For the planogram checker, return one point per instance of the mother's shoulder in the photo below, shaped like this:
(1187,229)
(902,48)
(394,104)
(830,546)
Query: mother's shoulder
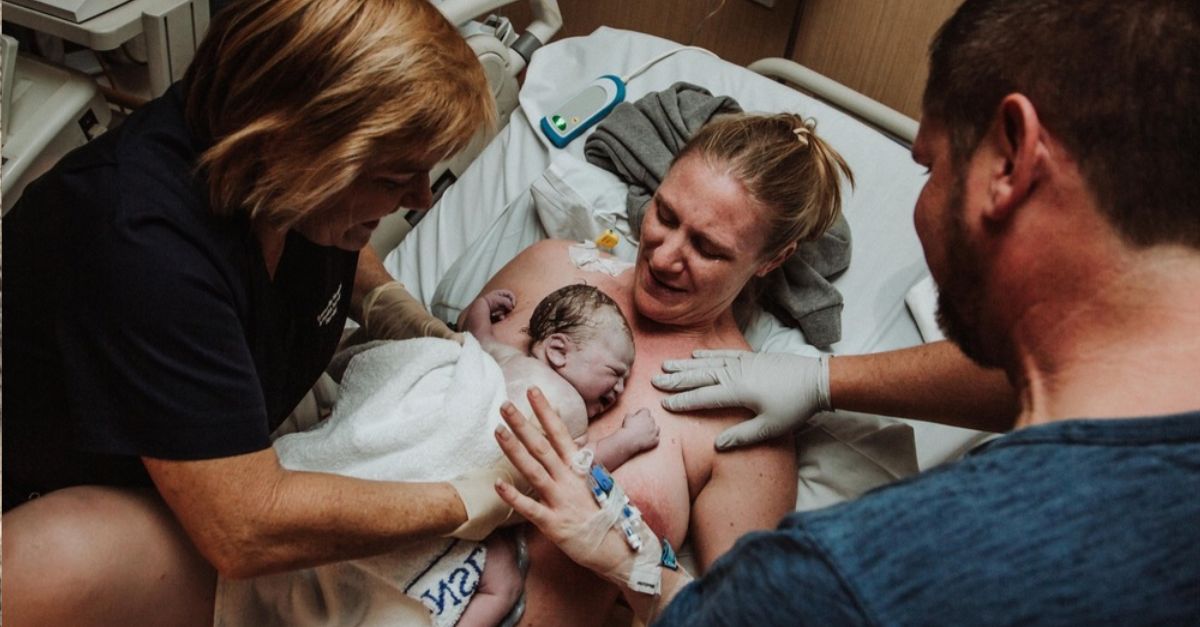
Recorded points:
(551,258)
(546,249)
(541,261)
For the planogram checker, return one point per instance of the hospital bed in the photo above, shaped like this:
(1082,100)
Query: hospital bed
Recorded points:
(521,189)
(516,188)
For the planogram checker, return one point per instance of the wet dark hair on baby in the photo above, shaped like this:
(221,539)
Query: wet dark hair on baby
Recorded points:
(579,311)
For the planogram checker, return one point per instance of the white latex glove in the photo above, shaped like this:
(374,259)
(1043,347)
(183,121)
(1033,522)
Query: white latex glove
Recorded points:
(485,509)
(783,390)
(389,312)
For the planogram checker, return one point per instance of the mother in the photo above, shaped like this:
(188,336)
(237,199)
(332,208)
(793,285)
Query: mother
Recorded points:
(735,203)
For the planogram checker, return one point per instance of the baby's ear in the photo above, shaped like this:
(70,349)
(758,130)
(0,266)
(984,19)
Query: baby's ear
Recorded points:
(557,346)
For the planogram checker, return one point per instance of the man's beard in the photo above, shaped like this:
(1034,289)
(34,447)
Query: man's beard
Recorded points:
(961,294)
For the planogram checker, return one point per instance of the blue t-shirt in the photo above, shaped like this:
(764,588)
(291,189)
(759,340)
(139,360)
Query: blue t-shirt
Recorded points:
(1084,522)
(138,323)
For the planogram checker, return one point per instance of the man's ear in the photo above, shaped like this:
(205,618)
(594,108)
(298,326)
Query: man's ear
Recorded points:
(777,260)
(557,345)
(1017,143)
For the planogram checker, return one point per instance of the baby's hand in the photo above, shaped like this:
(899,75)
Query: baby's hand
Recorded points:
(640,430)
(500,303)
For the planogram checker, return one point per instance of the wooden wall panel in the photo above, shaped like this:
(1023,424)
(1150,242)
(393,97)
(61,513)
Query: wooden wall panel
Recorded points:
(877,47)
(741,32)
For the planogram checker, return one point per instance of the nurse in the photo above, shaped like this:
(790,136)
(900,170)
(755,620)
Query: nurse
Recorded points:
(175,287)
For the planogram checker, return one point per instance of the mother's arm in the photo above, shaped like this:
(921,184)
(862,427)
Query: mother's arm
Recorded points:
(750,489)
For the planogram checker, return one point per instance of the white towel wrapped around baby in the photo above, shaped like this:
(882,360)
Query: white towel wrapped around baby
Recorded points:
(417,410)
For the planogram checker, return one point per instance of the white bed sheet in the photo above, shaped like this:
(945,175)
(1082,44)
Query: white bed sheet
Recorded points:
(488,216)
(887,257)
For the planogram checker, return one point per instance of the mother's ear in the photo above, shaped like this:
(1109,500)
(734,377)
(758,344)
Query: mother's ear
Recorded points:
(777,260)
(1016,142)
(557,345)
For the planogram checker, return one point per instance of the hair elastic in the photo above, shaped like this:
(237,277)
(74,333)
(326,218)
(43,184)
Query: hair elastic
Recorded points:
(805,129)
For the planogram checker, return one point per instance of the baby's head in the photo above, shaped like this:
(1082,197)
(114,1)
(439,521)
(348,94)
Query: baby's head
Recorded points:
(581,334)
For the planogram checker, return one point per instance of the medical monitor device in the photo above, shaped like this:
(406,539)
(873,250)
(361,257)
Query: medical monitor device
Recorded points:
(52,111)
(570,119)
(8,59)
(71,10)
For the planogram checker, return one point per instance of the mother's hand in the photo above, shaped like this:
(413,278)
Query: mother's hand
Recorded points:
(567,513)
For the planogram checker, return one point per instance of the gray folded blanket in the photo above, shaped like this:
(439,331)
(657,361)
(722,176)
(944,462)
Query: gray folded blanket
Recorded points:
(639,140)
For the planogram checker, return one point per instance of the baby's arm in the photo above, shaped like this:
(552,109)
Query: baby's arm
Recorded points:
(489,308)
(638,433)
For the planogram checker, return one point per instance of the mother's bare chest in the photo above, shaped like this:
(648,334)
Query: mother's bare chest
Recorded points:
(662,481)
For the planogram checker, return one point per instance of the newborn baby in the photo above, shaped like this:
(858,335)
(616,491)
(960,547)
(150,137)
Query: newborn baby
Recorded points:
(580,354)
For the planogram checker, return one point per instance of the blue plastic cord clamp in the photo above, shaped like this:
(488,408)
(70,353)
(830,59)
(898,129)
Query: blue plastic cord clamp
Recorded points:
(669,559)
(601,484)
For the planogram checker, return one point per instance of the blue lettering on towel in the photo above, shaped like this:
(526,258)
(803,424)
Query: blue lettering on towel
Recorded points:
(471,560)
(455,587)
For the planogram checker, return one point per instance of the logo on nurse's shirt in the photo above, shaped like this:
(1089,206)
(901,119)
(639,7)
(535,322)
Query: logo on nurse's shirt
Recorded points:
(330,310)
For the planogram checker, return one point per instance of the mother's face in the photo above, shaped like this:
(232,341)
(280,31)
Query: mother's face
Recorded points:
(701,241)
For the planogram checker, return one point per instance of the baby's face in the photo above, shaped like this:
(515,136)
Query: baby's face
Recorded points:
(597,369)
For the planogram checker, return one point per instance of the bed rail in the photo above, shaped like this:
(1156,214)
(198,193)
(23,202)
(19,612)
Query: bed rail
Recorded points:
(503,56)
(899,126)
(547,19)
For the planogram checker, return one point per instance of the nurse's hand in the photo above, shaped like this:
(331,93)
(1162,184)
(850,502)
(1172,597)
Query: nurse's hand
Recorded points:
(567,513)
(389,312)
(782,389)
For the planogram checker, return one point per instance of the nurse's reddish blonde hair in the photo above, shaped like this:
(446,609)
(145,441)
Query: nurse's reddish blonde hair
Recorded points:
(293,99)
(784,165)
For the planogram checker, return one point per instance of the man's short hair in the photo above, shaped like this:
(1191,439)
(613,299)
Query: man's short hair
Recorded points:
(1116,81)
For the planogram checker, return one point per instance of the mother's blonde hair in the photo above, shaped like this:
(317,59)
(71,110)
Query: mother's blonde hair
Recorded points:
(782,164)
(292,99)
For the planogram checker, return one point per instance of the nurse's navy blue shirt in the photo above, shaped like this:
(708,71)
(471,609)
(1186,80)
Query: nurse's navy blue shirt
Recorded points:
(138,323)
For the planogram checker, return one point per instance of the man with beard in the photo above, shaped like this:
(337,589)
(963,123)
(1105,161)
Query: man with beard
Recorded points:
(1060,220)
(1114,133)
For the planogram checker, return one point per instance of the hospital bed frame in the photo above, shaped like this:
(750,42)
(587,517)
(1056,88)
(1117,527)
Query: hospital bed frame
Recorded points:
(503,54)
(896,124)
(888,181)
(933,446)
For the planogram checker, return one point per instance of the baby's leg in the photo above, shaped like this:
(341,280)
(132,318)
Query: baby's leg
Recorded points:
(561,592)
(499,586)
